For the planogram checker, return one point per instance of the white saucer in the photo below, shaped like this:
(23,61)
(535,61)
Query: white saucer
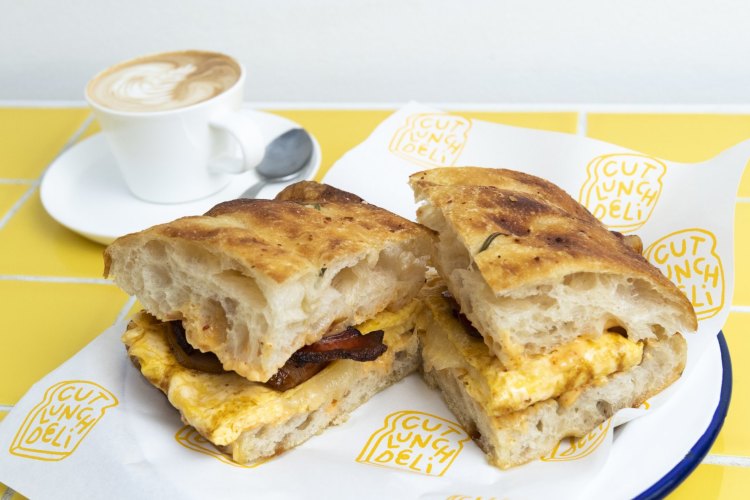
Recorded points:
(83,189)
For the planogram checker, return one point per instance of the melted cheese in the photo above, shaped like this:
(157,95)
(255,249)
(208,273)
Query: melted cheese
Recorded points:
(222,406)
(581,362)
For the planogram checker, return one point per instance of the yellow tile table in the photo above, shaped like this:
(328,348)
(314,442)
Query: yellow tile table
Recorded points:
(54,299)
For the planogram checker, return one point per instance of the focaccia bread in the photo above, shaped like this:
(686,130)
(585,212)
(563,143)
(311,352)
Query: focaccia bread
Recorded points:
(255,280)
(249,420)
(533,269)
(518,415)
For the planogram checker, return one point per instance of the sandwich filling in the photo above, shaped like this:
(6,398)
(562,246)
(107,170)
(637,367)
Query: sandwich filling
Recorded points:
(304,363)
(584,361)
(221,406)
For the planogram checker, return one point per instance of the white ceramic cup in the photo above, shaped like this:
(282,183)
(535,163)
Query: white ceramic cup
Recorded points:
(181,154)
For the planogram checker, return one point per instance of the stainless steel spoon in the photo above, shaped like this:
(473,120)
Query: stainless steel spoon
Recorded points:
(284,160)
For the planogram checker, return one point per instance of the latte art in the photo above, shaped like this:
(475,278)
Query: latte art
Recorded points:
(164,81)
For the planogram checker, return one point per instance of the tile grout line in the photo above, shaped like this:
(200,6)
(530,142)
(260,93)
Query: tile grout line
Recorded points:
(582,126)
(71,140)
(18,204)
(743,199)
(35,184)
(589,107)
(55,279)
(8,180)
(731,460)
(103,281)
(8,493)
(125,309)
(6,408)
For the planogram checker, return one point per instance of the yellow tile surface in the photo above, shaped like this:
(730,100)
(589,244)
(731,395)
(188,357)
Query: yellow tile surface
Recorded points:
(92,129)
(676,137)
(742,254)
(32,137)
(734,438)
(339,131)
(9,195)
(32,243)
(48,322)
(44,324)
(2,415)
(714,482)
(134,308)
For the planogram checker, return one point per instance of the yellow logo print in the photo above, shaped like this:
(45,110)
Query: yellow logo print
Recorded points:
(188,437)
(431,139)
(55,427)
(621,190)
(415,442)
(689,259)
(576,448)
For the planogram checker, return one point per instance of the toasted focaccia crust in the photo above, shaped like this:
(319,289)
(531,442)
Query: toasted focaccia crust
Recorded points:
(533,269)
(251,421)
(255,280)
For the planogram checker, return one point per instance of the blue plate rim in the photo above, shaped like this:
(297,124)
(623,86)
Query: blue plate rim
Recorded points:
(700,449)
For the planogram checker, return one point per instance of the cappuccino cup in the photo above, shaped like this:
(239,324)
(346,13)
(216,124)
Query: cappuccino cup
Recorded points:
(173,125)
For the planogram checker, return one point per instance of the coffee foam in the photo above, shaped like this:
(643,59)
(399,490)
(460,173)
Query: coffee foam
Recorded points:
(164,81)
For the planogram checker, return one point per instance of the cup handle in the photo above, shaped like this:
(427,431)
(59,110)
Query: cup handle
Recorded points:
(247,134)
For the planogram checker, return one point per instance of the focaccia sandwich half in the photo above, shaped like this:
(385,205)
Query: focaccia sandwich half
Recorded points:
(520,414)
(251,421)
(542,323)
(253,281)
(533,269)
(266,321)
